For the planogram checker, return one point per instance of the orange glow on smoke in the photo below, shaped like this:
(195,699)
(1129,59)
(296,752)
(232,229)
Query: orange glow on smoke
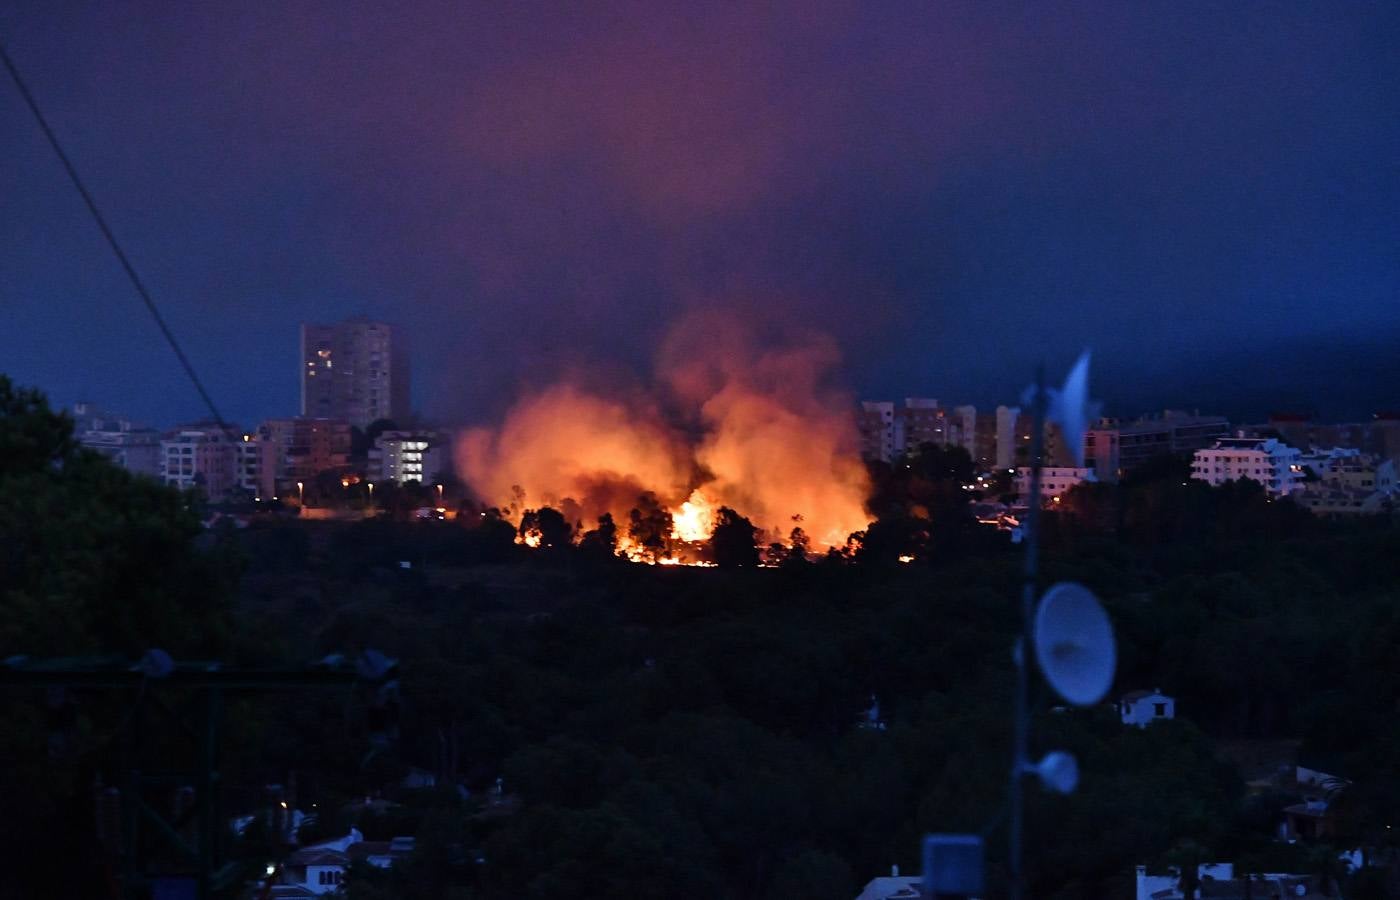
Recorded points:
(732,424)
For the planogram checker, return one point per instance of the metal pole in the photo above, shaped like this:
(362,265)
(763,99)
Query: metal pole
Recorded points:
(1030,533)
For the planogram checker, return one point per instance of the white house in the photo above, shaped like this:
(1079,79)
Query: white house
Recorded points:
(1219,880)
(1055,481)
(1270,462)
(1168,887)
(320,868)
(893,887)
(1350,483)
(1141,708)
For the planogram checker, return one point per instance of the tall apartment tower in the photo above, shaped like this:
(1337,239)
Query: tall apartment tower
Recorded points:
(356,370)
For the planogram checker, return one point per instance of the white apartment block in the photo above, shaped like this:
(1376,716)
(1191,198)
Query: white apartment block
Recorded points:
(1055,482)
(404,456)
(1349,483)
(131,446)
(199,456)
(1275,465)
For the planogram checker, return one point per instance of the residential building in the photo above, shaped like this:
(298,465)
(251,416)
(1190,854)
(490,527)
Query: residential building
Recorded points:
(1055,482)
(200,455)
(889,430)
(299,449)
(1101,453)
(893,887)
(1167,887)
(1217,881)
(877,430)
(984,441)
(131,446)
(1379,436)
(1268,461)
(1006,417)
(1349,483)
(257,465)
(1362,472)
(1332,501)
(1142,708)
(320,868)
(408,456)
(1053,449)
(356,370)
(1173,433)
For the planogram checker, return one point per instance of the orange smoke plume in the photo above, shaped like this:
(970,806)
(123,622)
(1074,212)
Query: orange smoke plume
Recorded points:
(756,429)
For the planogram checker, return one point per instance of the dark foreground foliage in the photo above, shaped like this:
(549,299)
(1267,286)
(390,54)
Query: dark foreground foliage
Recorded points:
(674,732)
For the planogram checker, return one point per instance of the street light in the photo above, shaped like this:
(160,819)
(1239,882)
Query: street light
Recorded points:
(300,494)
(439,489)
(371,492)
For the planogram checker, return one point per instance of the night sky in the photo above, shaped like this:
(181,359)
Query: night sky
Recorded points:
(1207,195)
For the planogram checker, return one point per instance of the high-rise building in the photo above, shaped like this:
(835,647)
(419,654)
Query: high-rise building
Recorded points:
(990,438)
(1006,435)
(356,370)
(877,430)
(131,446)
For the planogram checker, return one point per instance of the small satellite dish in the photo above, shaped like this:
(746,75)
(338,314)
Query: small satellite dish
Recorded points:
(1058,771)
(1074,643)
(156,663)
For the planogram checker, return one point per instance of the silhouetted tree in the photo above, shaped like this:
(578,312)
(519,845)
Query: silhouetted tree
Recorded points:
(553,529)
(734,541)
(649,526)
(601,541)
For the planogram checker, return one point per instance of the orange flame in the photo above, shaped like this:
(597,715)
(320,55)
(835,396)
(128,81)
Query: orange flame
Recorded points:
(757,430)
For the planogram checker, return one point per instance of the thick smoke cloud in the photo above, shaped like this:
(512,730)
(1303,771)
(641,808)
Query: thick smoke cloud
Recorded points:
(754,425)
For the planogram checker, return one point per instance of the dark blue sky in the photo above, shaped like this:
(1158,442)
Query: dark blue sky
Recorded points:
(1208,195)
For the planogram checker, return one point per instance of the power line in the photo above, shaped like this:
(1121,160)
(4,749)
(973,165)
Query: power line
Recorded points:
(112,240)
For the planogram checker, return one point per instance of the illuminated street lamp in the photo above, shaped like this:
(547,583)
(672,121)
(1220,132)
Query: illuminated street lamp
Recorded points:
(439,490)
(300,494)
(371,492)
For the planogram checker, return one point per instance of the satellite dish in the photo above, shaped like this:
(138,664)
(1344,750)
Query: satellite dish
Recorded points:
(156,663)
(1074,643)
(1058,771)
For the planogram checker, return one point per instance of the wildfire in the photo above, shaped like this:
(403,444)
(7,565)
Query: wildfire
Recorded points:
(695,520)
(730,424)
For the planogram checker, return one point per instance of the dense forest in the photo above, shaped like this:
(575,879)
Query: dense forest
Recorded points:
(602,728)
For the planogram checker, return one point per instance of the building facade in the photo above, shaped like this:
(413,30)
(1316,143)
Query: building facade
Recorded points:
(405,456)
(1174,433)
(1142,708)
(889,430)
(299,449)
(1348,483)
(1055,482)
(875,421)
(200,456)
(1269,461)
(131,446)
(356,370)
